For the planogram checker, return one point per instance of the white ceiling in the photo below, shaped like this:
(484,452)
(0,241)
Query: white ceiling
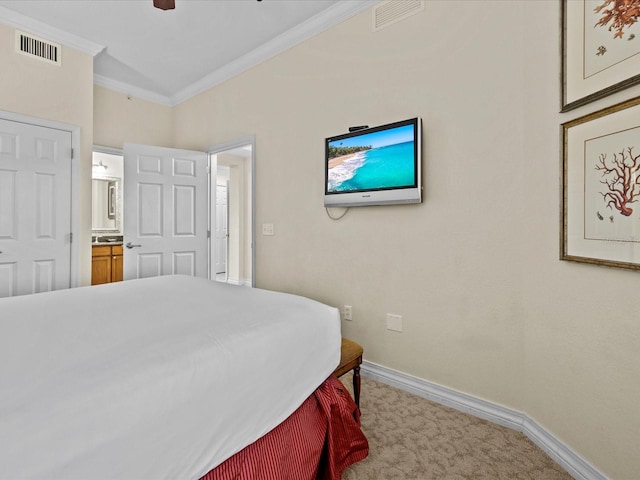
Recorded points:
(169,56)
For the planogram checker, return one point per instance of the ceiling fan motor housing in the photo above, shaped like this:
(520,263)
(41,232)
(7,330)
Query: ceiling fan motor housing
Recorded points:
(164,4)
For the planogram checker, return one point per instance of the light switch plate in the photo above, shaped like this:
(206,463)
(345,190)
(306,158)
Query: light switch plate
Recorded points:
(267,229)
(394,322)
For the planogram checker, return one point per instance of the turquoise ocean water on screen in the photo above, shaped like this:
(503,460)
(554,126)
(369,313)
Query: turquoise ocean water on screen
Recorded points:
(383,167)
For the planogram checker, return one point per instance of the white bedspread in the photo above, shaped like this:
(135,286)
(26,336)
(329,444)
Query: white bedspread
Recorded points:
(157,378)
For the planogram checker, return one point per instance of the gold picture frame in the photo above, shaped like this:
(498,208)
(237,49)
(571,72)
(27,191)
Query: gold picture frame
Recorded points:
(600,50)
(600,213)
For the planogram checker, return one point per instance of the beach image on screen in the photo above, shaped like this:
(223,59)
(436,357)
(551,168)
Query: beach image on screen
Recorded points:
(376,160)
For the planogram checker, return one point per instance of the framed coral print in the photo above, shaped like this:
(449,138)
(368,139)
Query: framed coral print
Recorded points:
(600,49)
(601,187)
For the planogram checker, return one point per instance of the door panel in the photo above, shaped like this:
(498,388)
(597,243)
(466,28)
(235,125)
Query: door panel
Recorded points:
(8,279)
(45,221)
(44,275)
(166,212)
(35,208)
(8,217)
(150,203)
(184,263)
(184,199)
(148,265)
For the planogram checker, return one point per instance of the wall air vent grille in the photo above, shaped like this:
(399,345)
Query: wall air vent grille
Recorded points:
(392,11)
(38,48)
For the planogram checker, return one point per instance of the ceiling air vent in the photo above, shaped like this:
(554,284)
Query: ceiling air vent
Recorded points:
(392,11)
(38,48)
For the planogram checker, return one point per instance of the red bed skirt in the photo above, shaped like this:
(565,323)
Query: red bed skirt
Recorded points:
(317,442)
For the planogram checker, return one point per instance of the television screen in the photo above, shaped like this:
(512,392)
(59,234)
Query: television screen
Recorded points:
(374,166)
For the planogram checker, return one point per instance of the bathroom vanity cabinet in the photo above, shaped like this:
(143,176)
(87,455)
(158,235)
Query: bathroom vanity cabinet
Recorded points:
(106,264)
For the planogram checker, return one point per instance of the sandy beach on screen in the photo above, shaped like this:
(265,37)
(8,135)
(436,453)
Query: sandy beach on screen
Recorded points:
(334,162)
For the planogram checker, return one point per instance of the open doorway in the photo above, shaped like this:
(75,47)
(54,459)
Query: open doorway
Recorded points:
(106,216)
(221,228)
(233,259)
(231,254)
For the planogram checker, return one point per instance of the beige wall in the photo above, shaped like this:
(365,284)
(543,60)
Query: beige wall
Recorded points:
(58,93)
(488,308)
(120,118)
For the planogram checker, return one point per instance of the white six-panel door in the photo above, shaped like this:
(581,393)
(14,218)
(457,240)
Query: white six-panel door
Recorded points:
(35,208)
(165,212)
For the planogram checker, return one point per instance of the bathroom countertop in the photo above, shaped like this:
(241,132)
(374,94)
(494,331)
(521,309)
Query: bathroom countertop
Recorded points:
(100,240)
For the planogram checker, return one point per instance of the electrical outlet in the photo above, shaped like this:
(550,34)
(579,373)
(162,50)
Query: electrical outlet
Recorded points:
(348,313)
(394,322)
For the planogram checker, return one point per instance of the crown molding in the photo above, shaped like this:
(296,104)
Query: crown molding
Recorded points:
(334,15)
(48,32)
(330,17)
(129,89)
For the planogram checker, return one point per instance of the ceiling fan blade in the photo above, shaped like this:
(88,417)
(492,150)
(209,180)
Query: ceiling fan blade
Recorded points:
(164,4)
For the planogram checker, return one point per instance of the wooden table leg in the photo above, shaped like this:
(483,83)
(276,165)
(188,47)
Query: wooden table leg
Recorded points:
(356,385)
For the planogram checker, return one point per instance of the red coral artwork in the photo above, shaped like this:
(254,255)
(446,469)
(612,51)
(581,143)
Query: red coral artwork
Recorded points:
(620,14)
(622,178)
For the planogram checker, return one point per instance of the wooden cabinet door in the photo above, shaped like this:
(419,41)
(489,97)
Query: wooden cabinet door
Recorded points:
(116,267)
(106,264)
(100,269)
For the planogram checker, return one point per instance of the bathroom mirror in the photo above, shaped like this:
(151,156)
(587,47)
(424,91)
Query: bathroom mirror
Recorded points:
(106,205)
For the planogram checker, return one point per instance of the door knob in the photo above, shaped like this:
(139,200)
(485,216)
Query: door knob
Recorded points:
(131,245)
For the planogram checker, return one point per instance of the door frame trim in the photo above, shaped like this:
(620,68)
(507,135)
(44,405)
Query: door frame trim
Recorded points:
(74,130)
(239,142)
(108,150)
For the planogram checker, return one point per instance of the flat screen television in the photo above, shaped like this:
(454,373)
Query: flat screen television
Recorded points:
(374,166)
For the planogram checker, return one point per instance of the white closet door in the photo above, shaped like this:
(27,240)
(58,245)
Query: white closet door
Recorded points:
(165,212)
(35,208)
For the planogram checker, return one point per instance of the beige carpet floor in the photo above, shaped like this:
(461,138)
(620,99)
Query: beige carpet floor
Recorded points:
(411,438)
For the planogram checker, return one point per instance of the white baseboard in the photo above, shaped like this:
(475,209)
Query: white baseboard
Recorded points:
(573,463)
(236,281)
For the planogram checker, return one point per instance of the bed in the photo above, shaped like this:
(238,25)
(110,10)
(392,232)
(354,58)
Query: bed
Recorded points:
(173,377)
